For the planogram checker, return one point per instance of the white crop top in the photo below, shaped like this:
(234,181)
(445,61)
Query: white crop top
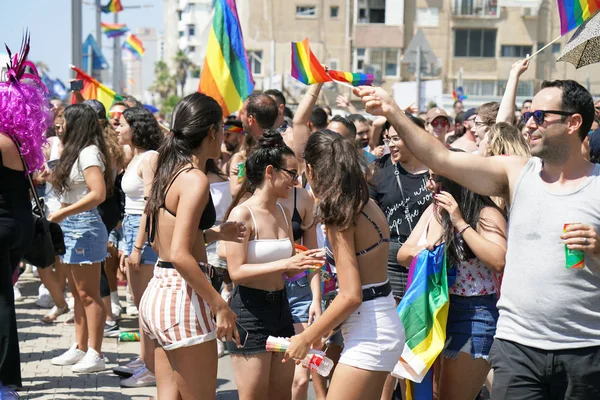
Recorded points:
(133,186)
(88,157)
(262,251)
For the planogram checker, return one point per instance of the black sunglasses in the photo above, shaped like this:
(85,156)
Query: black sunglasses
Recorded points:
(293,174)
(539,116)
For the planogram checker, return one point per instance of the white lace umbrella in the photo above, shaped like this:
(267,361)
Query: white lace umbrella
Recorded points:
(584,46)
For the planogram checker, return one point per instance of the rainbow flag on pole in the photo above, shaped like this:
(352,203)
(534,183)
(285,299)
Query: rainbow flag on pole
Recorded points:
(134,45)
(113,6)
(226,75)
(305,66)
(92,89)
(113,30)
(353,78)
(575,12)
(424,313)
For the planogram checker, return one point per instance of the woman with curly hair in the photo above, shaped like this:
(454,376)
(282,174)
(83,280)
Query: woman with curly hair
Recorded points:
(139,130)
(24,118)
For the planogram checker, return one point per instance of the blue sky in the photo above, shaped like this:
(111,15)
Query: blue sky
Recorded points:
(49,22)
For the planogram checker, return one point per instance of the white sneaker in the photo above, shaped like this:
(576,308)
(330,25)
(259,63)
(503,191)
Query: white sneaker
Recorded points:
(115,305)
(141,378)
(220,348)
(91,362)
(17,292)
(131,308)
(45,301)
(70,357)
(71,302)
(129,369)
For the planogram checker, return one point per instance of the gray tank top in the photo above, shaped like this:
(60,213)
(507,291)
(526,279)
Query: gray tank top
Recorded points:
(543,304)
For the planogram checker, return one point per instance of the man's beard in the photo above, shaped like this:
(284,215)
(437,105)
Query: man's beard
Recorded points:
(231,147)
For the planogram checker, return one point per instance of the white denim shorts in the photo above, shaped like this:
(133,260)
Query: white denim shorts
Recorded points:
(373,335)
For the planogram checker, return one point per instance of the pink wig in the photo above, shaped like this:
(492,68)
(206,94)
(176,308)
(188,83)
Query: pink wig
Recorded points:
(24,108)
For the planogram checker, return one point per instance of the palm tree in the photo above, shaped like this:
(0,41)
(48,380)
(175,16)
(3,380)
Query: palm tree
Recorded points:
(182,66)
(164,84)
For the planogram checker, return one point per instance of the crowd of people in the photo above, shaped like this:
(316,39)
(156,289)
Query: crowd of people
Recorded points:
(226,227)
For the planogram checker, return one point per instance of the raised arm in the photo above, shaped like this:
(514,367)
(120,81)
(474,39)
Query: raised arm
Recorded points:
(484,175)
(302,117)
(506,113)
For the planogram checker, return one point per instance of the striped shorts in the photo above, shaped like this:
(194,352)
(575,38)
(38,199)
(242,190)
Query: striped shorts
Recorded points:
(173,314)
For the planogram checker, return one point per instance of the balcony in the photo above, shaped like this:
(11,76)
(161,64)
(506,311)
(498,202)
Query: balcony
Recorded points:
(475,8)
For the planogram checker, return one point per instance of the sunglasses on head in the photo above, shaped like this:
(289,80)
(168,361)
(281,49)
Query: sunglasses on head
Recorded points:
(441,121)
(539,116)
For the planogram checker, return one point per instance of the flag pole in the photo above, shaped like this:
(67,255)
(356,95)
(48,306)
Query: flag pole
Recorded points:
(543,48)
(343,83)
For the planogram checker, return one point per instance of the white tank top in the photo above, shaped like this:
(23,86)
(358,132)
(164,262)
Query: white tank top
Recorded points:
(221,196)
(261,251)
(51,199)
(133,185)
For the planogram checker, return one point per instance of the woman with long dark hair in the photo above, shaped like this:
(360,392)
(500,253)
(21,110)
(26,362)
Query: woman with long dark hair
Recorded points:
(82,178)
(473,229)
(257,266)
(139,130)
(357,244)
(178,305)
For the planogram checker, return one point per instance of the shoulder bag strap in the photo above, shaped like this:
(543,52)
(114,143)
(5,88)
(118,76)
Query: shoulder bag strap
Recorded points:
(31,185)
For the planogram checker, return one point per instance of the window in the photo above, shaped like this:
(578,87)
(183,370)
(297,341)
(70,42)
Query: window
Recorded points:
(474,43)
(524,89)
(306,11)
(255,57)
(515,51)
(371,11)
(191,30)
(555,48)
(475,8)
(479,88)
(181,33)
(391,62)
(191,49)
(334,11)
(179,12)
(360,59)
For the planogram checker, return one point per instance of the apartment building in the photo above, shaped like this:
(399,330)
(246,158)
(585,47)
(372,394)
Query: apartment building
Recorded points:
(475,42)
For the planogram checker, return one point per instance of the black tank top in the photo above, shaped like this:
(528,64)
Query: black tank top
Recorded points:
(14,193)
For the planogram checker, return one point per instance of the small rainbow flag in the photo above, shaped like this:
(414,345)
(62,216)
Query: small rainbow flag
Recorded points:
(113,30)
(458,94)
(423,312)
(92,89)
(575,12)
(134,45)
(113,6)
(226,75)
(305,66)
(353,78)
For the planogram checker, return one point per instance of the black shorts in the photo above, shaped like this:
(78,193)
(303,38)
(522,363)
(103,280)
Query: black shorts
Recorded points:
(262,314)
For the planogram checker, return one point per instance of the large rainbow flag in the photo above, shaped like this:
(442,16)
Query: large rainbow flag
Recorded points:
(134,45)
(113,6)
(575,12)
(92,89)
(113,30)
(226,75)
(424,313)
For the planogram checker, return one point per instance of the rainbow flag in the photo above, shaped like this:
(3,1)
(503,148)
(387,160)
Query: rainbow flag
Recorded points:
(305,66)
(575,12)
(423,312)
(134,45)
(113,30)
(353,78)
(113,6)
(226,75)
(92,89)
(458,94)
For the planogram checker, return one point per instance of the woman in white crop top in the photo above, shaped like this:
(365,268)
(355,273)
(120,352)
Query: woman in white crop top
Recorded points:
(474,231)
(81,180)
(139,130)
(257,267)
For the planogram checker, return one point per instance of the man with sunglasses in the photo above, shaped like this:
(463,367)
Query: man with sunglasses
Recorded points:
(466,141)
(438,124)
(547,342)
(114,115)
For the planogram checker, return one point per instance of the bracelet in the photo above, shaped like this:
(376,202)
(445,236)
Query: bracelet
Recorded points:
(464,228)
(138,248)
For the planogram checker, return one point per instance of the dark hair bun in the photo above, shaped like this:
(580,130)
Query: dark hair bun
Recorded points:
(271,139)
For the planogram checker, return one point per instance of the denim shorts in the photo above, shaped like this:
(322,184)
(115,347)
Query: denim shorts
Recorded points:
(116,237)
(131,224)
(86,239)
(300,297)
(212,254)
(471,325)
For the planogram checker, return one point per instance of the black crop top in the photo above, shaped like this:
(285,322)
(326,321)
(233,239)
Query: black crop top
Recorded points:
(207,220)
(296,222)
